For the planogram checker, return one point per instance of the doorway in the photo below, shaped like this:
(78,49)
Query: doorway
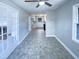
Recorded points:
(39,21)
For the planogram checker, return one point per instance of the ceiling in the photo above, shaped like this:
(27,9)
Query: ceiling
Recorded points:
(31,6)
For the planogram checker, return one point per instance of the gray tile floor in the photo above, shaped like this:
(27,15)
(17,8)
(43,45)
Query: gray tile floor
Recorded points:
(37,46)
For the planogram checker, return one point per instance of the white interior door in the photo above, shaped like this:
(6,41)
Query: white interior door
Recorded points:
(8,27)
(13,27)
(3,27)
(3,36)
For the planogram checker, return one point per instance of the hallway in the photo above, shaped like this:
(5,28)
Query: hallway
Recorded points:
(37,46)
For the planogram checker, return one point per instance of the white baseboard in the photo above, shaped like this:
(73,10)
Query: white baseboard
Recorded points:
(73,54)
(6,53)
(24,37)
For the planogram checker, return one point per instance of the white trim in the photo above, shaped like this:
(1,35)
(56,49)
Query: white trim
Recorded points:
(74,23)
(24,37)
(17,27)
(76,41)
(6,53)
(73,54)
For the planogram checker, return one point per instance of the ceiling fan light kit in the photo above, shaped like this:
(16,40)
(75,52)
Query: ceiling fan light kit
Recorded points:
(40,2)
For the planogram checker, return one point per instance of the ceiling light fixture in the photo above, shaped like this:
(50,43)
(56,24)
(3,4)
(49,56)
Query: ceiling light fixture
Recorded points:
(41,3)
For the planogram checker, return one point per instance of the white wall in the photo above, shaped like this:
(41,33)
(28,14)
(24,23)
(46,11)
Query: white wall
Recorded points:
(50,23)
(63,26)
(23,24)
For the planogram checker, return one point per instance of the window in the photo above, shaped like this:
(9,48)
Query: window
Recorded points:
(39,19)
(0,33)
(3,32)
(75,26)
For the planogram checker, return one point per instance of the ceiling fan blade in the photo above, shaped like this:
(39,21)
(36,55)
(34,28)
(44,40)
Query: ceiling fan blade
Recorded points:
(37,6)
(31,1)
(34,0)
(48,4)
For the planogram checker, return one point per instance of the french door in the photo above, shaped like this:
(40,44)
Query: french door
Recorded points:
(3,37)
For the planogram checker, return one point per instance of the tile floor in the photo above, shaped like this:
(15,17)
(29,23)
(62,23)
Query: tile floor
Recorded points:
(37,46)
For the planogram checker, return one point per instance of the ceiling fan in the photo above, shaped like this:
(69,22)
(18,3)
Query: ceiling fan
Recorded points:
(40,2)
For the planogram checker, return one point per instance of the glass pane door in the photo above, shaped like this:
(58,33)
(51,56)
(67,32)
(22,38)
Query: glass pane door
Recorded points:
(1,40)
(4,29)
